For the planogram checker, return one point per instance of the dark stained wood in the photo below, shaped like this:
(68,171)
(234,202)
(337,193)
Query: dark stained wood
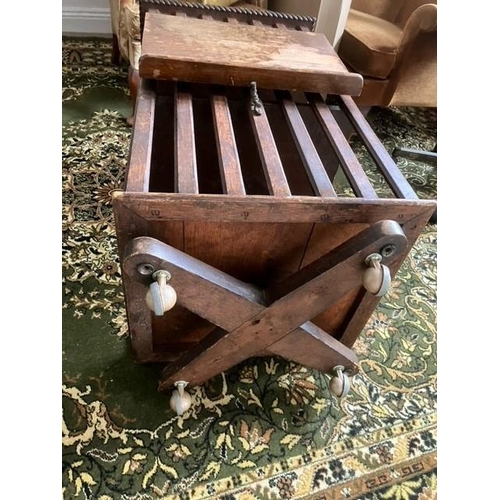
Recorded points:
(340,254)
(176,332)
(314,289)
(296,175)
(271,162)
(366,302)
(326,238)
(137,178)
(256,253)
(284,254)
(354,172)
(310,346)
(429,157)
(312,162)
(207,156)
(162,165)
(238,54)
(162,207)
(246,142)
(186,175)
(133,86)
(115,50)
(232,180)
(396,180)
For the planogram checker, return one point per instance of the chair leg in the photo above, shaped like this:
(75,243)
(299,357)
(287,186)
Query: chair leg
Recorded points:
(429,157)
(133,85)
(115,51)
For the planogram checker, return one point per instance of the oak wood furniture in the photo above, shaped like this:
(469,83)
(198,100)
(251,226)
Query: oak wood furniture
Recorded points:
(241,207)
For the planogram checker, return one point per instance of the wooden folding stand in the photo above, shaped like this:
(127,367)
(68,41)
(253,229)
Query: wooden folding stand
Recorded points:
(233,239)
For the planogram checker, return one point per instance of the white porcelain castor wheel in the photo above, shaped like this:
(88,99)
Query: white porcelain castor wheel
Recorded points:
(339,383)
(180,400)
(160,297)
(377,278)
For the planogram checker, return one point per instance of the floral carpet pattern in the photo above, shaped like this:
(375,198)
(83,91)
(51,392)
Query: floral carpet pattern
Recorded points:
(268,428)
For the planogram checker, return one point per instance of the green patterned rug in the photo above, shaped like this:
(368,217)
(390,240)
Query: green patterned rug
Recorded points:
(267,429)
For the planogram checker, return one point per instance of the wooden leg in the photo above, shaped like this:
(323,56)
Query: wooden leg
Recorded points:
(133,85)
(246,324)
(115,51)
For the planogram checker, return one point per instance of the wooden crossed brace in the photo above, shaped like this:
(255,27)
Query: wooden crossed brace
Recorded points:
(251,321)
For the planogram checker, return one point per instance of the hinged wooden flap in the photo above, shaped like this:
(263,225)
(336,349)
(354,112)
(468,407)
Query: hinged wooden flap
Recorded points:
(214,52)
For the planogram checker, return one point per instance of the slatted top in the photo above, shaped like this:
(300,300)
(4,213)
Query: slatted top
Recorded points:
(203,51)
(198,139)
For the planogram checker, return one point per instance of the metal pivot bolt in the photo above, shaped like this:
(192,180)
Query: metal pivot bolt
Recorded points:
(377,278)
(161,297)
(255,103)
(340,384)
(181,399)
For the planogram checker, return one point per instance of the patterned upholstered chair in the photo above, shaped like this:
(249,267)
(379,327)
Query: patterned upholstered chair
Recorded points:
(126,28)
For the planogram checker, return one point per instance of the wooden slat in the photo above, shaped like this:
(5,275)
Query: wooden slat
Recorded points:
(181,14)
(395,179)
(268,152)
(354,172)
(222,208)
(237,54)
(312,162)
(232,179)
(207,17)
(256,22)
(142,141)
(232,20)
(186,175)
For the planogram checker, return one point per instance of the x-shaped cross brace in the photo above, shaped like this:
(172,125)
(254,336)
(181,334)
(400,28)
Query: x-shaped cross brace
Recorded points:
(250,320)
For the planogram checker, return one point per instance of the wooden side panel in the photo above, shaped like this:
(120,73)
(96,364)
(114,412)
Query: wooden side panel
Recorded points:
(255,253)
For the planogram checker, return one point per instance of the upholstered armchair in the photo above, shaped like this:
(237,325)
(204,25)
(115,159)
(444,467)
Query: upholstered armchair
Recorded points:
(126,29)
(393,44)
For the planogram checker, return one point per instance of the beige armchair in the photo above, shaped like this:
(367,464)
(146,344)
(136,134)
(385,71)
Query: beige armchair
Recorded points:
(126,29)
(393,44)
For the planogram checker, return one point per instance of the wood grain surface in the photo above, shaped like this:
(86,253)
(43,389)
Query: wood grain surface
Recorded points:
(199,50)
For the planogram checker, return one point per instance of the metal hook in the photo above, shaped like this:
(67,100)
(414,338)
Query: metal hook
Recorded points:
(255,103)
